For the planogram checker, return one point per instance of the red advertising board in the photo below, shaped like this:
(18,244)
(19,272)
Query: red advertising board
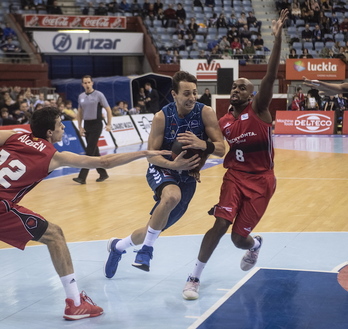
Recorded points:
(305,122)
(315,69)
(75,22)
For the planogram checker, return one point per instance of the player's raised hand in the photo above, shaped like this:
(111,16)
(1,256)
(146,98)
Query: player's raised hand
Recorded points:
(277,26)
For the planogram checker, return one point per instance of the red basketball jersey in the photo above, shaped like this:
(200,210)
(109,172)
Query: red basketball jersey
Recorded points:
(250,140)
(24,162)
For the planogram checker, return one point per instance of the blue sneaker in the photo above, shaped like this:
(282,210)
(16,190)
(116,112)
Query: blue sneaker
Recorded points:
(114,257)
(142,260)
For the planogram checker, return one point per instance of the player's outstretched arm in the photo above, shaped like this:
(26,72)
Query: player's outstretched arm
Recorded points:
(264,96)
(106,161)
(327,87)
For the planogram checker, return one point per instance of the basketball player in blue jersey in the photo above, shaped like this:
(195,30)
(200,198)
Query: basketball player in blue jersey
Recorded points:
(173,180)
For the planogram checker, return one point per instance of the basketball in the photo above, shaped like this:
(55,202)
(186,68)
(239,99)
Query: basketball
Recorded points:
(177,149)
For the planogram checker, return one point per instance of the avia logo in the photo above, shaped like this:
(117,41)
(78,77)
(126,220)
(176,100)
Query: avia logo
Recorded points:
(207,71)
(313,123)
(299,66)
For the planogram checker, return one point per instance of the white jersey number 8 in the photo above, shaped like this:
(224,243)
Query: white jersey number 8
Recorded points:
(7,171)
(239,155)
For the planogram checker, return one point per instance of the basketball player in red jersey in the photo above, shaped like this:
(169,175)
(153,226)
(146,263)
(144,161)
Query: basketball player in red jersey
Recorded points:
(249,181)
(25,159)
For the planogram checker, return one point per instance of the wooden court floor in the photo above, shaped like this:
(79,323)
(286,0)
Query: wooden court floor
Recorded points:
(311,196)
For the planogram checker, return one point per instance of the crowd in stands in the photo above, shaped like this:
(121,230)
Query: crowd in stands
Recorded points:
(314,100)
(317,28)
(9,44)
(17,105)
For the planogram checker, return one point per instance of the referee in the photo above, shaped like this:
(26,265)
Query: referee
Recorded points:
(90,107)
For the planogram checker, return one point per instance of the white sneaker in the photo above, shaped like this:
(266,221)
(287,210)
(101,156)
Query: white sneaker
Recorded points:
(250,258)
(191,288)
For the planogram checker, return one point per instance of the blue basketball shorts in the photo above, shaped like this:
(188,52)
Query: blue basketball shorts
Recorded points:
(158,177)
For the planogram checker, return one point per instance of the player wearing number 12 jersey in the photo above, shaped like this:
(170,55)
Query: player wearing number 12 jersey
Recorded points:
(249,181)
(25,159)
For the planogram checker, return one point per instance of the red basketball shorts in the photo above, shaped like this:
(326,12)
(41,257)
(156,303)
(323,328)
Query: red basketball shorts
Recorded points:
(18,225)
(244,198)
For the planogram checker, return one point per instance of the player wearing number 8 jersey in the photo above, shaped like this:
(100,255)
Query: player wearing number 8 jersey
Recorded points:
(249,181)
(25,159)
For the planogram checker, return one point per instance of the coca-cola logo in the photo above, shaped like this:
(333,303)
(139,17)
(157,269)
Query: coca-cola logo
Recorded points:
(62,42)
(55,21)
(96,22)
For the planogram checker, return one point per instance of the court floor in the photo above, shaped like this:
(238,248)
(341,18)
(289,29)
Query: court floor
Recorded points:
(294,285)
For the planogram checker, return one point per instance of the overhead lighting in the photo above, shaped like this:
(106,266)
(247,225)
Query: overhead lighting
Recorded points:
(74,31)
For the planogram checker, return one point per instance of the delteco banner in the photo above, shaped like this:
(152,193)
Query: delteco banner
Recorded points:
(75,22)
(305,122)
(315,69)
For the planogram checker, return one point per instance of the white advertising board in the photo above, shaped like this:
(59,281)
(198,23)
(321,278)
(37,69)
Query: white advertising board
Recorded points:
(208,72)
(77,42)
(124,131)
(143,122)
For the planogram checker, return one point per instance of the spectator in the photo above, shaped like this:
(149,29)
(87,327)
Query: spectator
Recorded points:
(236,44)
(311,102)
(249,52)
(140,100)
(11,50)
(169,16)
(232,21)
(307,34)
(259,43)
(179,44)
(253,22)
(157,6)
(190,42)
(209,3)
(242,20)
(146,6)
(9,32)
(317,34)
(192,27)
(112,8)
(344,25)
(101,10)
(295,12)
(295,104)
(180,27)
(125,6)
(293,53)
(63,113)
(206,97)
(224,43)
(167,58)
(6,118)
(180,12)
(232,33)
(15,92)
(160,16)
(198,3)
(245,33)
(221,22)
(202,54)
(305,54)
(88,10)
(55,9)
(40,100)
(117,110)
(136,8)
(213,55)
(152,99)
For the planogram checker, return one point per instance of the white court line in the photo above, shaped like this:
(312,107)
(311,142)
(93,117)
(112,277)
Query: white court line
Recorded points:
(211,310)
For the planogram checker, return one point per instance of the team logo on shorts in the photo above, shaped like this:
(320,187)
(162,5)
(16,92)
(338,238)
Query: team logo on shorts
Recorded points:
(31,223)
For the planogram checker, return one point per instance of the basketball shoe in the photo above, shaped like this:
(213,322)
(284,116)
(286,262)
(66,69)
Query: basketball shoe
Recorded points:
(113,259)
(87,309)
(191,288)
(250,258)
(143,257)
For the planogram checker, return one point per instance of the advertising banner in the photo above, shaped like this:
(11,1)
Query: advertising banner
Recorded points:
(345,124)
(208,72)
(74,22)
(315,69)
(124,131)
(79,42)
(305,122)
(70,141)
(143,123)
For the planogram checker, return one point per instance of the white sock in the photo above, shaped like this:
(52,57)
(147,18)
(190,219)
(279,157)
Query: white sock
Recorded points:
(197,271)
(256,244)
(124,244)
(70,287)
(151,236)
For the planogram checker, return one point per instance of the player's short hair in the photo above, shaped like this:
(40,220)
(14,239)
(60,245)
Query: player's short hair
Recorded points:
(182,76)
(43,120)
